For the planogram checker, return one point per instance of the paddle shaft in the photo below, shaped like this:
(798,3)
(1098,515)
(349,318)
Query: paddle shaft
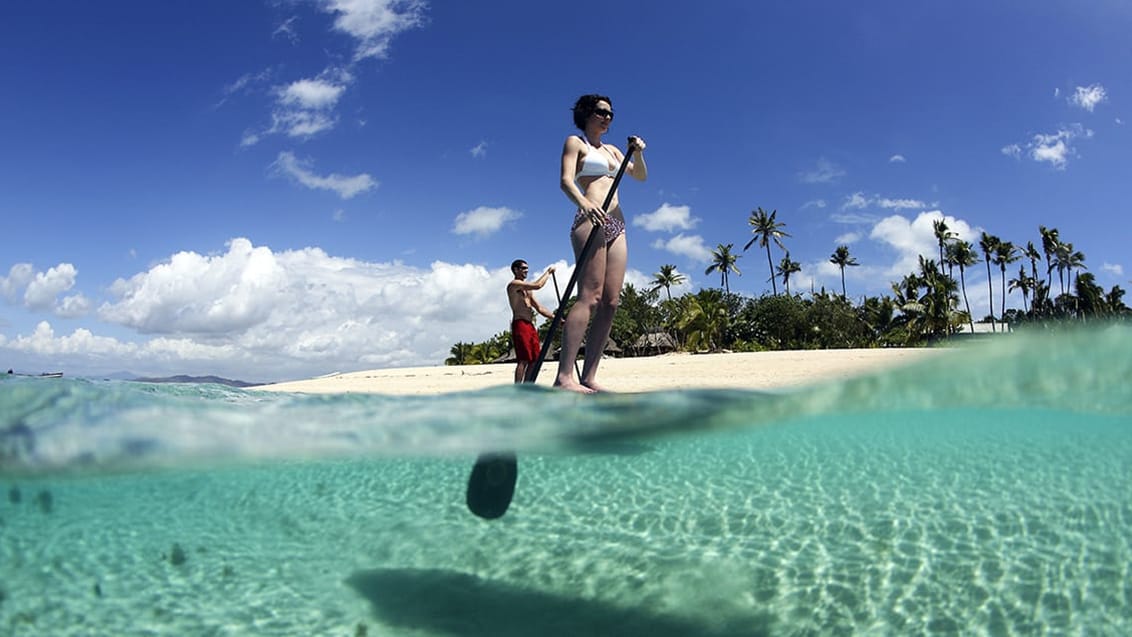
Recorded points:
(558,296)
(587,249)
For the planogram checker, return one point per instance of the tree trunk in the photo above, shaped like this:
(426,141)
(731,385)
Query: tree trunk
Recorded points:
(773,280)
(963,283)
(990,294)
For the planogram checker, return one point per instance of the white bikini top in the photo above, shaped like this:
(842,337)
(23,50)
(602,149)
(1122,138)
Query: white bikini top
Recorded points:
(595,163)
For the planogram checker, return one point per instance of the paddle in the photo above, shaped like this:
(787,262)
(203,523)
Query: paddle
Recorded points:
(587,250)
(491,484)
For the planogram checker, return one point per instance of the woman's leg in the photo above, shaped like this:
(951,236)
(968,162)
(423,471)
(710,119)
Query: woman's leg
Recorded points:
(590,283)
(616,259)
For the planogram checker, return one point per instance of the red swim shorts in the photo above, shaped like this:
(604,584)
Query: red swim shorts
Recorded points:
(525,338)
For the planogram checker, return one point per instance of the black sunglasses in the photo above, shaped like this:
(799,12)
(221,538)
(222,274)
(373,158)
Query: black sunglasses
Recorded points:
(603,112)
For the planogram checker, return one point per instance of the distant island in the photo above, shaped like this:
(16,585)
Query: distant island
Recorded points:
(216,380)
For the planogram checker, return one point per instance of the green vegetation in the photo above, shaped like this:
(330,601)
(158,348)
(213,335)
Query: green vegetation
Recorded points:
(923,309)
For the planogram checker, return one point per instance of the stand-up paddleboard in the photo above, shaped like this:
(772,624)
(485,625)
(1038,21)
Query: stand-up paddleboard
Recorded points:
(492,482)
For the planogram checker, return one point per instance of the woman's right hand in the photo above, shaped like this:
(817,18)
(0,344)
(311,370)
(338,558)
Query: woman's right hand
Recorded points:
(595,214)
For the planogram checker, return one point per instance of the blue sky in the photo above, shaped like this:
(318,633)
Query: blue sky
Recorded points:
(280,189)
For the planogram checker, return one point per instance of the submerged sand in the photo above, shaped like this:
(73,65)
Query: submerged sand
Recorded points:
(749,370)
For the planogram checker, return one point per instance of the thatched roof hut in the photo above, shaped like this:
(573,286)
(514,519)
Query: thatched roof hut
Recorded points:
(611,349)
(654,343)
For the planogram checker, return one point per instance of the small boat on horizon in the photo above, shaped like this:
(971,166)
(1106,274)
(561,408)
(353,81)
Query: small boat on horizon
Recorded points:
(42,375)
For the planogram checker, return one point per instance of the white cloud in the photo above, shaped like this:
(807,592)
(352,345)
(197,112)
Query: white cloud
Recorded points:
(197,294)
(848,238)
(39,291)
(1119,121)
(315,94)
(1055,148)
(304,108)
(691,246)
(287,31)
(858,201)
(1051,148)
(1087,97)
(900,204)
(816,203)
(483,221)
(19,276)
(897,159)
(301,124)
(73,306)
(250,138)
(912,238)
(345,186)
(1012,150)
(44,342)
(373,23)
(253,313)
(1113,268)
(826,172)
(479,150)
(667,218)
(244,83)
(851,218)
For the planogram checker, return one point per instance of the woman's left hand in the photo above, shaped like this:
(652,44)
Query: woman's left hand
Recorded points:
(636,143)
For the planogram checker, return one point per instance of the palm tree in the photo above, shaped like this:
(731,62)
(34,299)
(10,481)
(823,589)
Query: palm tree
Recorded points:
(786,267)
(704,319)
(666,278)
(930,312)
(460,354)
(987,243)
(1074,260)
(841,259)
(1050,241)
(940,299)
(766,229)
(942,235)
(962,254)
(480,354)
(1024,283)
(1091,301)
(724,261)
(1004,254)
(1031,253)
(1115,299)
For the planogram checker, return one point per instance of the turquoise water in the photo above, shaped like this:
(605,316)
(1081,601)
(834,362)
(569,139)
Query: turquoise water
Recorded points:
(983,493)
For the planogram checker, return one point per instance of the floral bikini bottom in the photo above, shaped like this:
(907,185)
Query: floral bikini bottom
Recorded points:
(612,228)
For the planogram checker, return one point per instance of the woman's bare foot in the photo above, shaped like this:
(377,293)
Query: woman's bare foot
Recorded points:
(572,385)
(595,387)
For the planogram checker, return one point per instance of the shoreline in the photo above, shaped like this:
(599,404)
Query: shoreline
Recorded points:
(731,370)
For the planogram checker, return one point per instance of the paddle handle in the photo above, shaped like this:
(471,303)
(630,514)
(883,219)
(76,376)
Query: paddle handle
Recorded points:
(595,232)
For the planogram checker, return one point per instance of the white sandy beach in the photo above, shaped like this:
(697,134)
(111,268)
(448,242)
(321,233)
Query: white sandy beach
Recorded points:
(753,370)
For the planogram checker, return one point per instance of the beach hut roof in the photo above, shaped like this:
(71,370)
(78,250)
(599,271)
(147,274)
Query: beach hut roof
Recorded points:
(655,340)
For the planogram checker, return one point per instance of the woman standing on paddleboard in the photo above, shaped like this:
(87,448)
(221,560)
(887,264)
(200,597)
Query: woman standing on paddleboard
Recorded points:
(588,169)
